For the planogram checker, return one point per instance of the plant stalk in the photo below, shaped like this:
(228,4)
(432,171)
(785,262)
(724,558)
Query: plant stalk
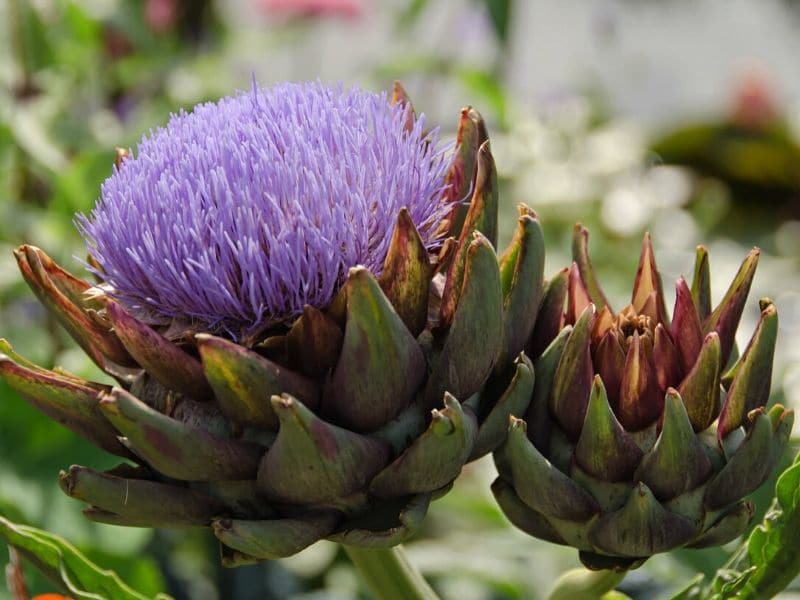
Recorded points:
(582,584)
(389,575)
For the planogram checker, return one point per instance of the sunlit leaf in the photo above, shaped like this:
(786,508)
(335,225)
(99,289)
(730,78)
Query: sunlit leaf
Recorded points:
(66,566)
(769,559)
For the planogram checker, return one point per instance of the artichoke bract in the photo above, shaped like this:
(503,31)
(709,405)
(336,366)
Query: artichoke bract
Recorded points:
(291,287)
(639,439)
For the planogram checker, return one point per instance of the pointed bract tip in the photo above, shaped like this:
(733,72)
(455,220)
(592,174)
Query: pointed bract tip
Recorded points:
(523,210)
(19,252)
(597,385)
(755,413)
(451,402)
(515,423)
(478,239)
(357,271)
(282,402)
(108,400)
(399,93)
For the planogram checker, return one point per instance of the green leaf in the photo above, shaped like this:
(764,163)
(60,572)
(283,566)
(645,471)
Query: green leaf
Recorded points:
(66,566)
(773,548)
(769,559)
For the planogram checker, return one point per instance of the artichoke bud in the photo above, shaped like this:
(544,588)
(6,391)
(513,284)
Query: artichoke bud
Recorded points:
(313,462)
(621,411)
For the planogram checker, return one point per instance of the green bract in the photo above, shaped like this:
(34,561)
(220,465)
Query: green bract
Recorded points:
(638,440)
(344,424)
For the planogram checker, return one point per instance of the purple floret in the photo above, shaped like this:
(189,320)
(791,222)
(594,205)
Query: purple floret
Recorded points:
(236,215)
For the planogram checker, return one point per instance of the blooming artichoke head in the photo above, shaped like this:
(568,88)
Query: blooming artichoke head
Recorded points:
(640,438)
(291,285)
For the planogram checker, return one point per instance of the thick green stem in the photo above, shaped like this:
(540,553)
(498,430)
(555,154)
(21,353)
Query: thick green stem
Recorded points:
(580,584)
(388,574)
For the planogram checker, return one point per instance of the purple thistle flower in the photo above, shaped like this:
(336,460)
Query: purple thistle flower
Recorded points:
(236,215)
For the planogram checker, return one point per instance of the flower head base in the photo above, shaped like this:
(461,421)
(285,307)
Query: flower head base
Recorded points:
(238,214)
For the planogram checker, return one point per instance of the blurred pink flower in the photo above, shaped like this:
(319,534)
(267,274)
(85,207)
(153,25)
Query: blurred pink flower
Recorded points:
(755,104)
(314,8)
(161,15)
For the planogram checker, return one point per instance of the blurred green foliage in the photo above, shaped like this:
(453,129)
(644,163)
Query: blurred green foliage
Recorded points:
(79,78)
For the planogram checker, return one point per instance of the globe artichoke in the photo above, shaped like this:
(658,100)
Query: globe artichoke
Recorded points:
(637,439)
(291,283)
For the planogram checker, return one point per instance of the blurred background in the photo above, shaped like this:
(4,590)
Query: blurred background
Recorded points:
(682,118)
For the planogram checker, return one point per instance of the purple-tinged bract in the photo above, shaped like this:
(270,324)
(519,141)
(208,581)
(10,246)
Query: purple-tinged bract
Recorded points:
(236,215)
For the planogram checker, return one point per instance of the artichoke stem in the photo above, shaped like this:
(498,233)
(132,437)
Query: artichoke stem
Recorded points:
(389,575)
(582,584)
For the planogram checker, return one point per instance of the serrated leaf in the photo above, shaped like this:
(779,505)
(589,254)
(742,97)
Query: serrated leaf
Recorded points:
(769,559)
(66,566)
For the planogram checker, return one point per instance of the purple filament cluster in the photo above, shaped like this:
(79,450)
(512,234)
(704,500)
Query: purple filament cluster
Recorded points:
(236,215)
